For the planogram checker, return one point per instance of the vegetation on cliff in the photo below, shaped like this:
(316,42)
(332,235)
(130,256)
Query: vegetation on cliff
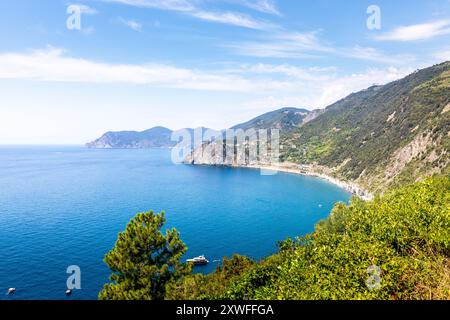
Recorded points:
(383,136)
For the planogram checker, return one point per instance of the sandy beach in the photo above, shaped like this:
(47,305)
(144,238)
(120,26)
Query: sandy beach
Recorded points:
(309,171)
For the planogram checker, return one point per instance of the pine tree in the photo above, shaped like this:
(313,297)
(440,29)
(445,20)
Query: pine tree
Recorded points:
(144,260)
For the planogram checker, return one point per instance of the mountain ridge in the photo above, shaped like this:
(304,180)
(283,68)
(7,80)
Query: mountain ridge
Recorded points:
(285,119)
(382,136)
(373,139)
(153,137)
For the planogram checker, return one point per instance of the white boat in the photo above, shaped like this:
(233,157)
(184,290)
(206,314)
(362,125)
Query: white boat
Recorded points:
(200,260)
(11,290)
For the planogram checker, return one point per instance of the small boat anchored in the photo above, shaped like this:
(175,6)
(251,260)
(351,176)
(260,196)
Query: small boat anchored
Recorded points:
(11,291)
(198,261)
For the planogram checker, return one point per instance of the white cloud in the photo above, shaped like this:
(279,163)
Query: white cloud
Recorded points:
(88,30)
(314,87)
(372,54)
(340,87)
(231,18)
(442,55)
(132,24)
(190,8)
(266,6)
(296,45)
(174,5)
(417,32)
(287,71)
(84,9)
(54,65)
(281,45)
(320,93)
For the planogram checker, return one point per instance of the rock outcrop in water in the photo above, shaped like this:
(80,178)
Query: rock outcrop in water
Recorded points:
(285,119)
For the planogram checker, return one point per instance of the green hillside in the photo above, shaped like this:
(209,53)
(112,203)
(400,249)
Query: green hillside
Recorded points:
(393,140)
(383,136)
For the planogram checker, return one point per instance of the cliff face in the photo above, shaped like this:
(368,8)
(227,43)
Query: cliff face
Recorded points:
(246,146)
(228,154)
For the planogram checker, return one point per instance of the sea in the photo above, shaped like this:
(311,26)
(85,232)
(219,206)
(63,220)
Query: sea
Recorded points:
(63,206)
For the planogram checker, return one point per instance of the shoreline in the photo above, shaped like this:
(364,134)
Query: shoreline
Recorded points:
(304,170)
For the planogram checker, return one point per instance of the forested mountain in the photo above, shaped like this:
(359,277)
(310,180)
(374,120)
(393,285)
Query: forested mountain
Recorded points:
(285,119)
(384,135)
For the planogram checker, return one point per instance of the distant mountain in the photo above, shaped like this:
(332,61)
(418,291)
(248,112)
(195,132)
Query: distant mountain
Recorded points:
(376,138)
(385,135)
(151,138)
(285,119)
(157,137)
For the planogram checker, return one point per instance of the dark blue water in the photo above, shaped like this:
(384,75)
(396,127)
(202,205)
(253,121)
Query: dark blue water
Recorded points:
(62,206)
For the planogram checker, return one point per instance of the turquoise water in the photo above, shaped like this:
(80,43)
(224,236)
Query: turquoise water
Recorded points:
(62,206)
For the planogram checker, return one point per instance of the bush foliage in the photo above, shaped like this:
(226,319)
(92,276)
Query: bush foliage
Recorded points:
(394,247)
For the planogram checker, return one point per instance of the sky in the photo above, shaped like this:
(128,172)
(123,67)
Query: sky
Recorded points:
(135,64)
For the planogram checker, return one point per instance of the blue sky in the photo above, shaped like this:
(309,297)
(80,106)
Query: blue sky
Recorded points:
(135,64)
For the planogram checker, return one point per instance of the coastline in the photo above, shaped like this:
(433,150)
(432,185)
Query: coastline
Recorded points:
(305,170)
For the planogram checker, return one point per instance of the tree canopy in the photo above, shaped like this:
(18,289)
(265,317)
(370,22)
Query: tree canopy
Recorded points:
(144,260)
(394,247)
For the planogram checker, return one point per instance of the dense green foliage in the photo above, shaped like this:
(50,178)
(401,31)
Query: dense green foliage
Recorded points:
(144,260)
(198,286)
(406,233)
(359,135)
